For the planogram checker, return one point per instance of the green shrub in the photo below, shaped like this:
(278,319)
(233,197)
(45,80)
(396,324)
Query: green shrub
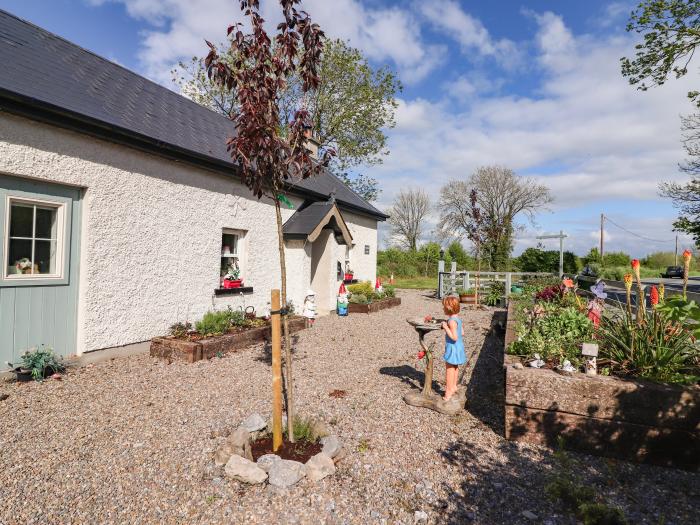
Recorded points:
(390,291)
(554,333)
(303,429)
(364,288)
(466,291)
(497,290)
(214,323)
(358,298)
(40,358)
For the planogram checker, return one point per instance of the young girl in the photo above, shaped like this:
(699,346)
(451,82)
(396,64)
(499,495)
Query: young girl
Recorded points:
(454,346)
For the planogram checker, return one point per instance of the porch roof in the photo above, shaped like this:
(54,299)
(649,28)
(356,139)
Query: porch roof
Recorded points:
(308,222)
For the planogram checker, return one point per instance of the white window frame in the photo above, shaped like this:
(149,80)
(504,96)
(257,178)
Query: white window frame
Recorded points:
(240,248)
(60,208)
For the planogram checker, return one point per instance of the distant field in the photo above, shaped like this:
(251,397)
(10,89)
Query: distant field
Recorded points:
(414,283)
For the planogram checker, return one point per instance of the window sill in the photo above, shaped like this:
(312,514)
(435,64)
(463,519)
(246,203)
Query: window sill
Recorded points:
(243,290)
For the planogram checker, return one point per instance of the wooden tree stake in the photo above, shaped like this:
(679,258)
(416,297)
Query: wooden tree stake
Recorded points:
(276,372)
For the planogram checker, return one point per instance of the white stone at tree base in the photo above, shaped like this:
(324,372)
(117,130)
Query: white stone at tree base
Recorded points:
(239,441)
(331,446)
(223,454)
(420,516)
(266,461)
(244,470)
(253,423)
(319,466)
(285,473)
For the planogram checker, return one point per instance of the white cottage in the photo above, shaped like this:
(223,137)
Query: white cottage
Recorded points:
(119,207)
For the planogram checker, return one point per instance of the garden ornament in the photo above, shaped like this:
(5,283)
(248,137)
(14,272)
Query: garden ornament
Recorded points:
(310,306)
(537,362)
(378,285)
(342,301)
(567,366)
(590,352)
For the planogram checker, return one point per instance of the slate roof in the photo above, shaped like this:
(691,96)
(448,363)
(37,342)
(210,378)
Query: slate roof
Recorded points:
(305,220)
(44,72)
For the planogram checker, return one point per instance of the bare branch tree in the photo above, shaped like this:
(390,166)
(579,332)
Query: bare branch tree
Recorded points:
(407,215)
(502,196)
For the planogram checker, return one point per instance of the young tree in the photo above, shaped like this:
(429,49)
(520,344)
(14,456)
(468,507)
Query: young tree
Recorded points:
(502,197)
(671,31)
(349,110)
(265,156)
(407,215)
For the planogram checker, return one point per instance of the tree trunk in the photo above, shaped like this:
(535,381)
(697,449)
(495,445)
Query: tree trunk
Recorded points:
(285,326)
(478,270)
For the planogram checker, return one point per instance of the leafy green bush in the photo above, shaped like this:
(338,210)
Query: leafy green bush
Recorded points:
(39,359)
(497,289)
(658,348)
(466,291)
(554,333)
(390,291)
(358,298)
(213,323)
(364,288)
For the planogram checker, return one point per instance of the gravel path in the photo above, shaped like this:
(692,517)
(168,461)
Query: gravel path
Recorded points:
(129,440)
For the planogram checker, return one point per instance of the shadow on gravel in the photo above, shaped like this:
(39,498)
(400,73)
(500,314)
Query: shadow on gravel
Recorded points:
(485,396)
(265,354)
(408,375)
(496,491)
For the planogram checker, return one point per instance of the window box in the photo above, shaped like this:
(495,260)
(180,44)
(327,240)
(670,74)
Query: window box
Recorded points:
(241,290)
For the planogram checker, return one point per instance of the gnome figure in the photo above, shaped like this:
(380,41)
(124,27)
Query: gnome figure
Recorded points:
(310,307)
(342,301)
(378,286)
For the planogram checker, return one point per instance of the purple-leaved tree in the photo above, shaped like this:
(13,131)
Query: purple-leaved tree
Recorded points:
(268,153)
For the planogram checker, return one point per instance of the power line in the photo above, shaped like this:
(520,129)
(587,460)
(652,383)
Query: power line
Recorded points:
(635,234)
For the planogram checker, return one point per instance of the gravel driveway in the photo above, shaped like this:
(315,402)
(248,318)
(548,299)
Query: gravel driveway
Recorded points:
(129,440)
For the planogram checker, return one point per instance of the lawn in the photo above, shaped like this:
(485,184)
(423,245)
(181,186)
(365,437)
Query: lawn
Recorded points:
(414,283)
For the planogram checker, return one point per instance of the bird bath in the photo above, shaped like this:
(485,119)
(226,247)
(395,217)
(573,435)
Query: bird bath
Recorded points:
(427,398)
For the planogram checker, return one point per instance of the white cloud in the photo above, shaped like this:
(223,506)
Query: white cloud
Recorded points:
(468,31)
(180,27)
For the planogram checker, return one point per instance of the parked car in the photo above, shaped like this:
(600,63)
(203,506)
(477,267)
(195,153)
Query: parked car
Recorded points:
(673,271)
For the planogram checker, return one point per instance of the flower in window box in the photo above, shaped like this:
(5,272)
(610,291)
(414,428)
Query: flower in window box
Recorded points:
(23,265)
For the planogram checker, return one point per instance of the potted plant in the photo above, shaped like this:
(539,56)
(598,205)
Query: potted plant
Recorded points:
(233,279)
(349,274)
(467,295)
(38,363)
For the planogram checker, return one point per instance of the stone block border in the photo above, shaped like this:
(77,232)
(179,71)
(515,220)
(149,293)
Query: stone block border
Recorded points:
(629,419)
(374,306)
(171,349)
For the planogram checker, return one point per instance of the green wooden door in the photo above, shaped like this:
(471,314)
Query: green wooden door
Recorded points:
(40,225)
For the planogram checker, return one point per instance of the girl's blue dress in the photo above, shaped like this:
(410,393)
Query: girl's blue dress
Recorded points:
(454,350)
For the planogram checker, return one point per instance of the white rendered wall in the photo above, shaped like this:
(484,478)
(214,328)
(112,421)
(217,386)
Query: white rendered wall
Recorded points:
(364,232)
(151,239)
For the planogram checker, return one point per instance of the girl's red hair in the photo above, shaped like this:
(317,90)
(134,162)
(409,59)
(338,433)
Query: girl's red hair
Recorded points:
(450,305)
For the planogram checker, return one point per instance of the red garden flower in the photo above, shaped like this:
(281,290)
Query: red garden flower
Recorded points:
(635,264)
(654,296)
(421,354)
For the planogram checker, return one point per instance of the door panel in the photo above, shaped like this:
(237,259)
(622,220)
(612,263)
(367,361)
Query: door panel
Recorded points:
(40,310)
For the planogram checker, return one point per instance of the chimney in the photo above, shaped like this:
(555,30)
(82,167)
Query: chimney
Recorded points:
(311,144)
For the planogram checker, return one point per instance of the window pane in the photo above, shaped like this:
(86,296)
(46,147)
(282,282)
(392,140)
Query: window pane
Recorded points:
(45,223)
(21,219)
(45,256)
(229,244)
(20,256)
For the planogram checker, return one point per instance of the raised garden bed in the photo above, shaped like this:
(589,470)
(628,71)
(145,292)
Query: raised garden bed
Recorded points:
(173,349)
(374,306)
(630,419)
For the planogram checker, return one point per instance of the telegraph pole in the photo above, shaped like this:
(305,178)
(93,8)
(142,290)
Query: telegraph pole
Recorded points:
(602,226)
(561,238)
(675,260)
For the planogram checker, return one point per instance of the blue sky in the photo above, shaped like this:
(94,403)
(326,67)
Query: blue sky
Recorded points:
(534,86)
